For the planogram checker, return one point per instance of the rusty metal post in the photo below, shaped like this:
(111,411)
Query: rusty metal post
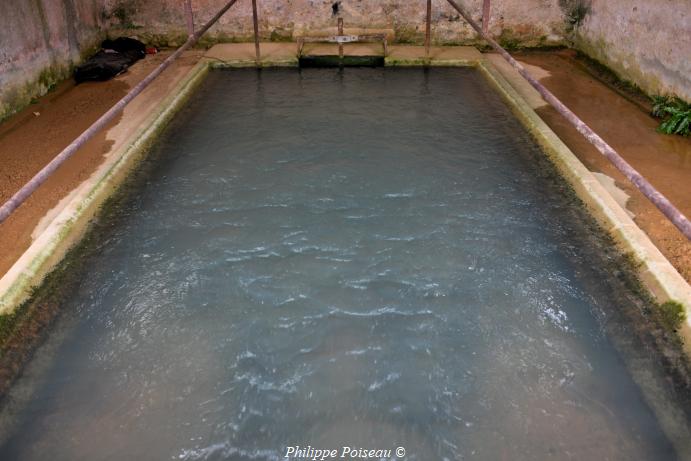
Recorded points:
(660,201)
(189,17)
(42,176)
(485,16)
(340,44)
(256,32)
(428,27)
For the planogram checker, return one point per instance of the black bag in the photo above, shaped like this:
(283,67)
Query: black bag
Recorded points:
(127,46)
(113,59)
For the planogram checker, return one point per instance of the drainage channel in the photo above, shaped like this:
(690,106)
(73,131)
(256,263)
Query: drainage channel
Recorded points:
(338,61)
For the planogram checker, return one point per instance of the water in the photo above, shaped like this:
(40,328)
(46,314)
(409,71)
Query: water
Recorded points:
(362,258)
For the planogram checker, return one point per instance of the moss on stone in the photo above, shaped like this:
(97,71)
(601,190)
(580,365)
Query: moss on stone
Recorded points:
(17,98)
(406,34)
(626,88)
(281,35)
(124,12)
(625,67)
(672,315)
(509,40)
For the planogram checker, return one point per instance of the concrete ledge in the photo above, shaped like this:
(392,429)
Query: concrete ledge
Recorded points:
(409,55)
(243,55)
(654,270)
(70,223)
(349,49)
(285,54)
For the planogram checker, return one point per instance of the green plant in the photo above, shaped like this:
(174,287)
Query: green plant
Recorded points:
(509,40)
(676,114)
(672,314)
(510,44)
(659,102)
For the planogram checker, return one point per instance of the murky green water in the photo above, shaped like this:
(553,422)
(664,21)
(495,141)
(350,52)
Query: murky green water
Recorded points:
(361,258)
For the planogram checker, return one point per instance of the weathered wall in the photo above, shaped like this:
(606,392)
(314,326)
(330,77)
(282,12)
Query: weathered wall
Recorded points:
(531,22)
(39,41)
(645,41)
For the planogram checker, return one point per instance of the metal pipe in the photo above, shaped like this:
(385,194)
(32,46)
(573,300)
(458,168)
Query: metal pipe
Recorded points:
(485,15)
(659,200)
(255,22)
(428,27)
(189,18)
(22,194)
(340,45)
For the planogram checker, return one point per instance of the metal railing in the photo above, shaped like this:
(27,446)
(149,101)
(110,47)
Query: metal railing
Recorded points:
(42,176)
(659,200)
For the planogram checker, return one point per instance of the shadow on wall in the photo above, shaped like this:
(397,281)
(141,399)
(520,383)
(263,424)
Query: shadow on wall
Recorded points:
(575,12)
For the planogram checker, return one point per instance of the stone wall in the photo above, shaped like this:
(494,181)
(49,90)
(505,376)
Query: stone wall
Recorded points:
(39,42)
(645,41)
(528,22)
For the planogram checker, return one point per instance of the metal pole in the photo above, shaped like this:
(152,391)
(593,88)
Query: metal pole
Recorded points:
(189,17)
(659,200)
(256,32)
(340,44)
(485,16)
(428,27)
(22,194)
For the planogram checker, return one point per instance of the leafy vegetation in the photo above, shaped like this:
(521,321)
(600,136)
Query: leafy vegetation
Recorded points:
(676,115)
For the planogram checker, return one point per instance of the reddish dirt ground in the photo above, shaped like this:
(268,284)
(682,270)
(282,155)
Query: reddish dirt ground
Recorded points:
(665,160)
(28,141)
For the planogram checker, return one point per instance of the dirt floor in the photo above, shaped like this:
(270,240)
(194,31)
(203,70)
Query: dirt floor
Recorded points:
(34,136)
(624,122)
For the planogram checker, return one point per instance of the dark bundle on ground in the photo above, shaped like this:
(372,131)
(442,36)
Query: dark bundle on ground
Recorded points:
(114,58)
(127,46)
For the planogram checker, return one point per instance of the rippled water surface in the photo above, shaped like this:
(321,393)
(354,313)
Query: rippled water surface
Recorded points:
(363,257)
